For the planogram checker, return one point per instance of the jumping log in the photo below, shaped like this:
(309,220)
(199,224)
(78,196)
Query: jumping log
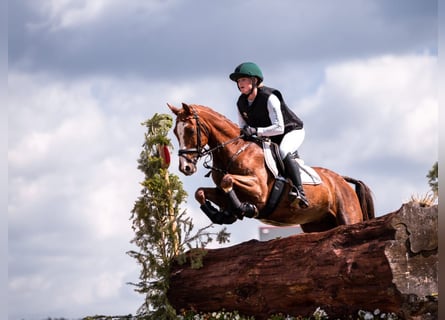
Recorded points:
(389,263)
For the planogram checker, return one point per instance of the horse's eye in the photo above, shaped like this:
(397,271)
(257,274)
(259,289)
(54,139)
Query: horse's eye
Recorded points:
(190,130)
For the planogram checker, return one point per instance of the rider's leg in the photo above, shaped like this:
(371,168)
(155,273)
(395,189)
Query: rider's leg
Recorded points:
(293,172)
(288,146)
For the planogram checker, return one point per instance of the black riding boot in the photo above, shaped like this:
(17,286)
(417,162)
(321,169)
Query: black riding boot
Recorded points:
(293,172)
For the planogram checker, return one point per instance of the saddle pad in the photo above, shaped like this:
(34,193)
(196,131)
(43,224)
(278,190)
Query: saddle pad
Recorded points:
(308,174)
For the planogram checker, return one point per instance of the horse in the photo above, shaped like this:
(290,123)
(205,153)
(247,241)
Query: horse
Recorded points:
(243,181)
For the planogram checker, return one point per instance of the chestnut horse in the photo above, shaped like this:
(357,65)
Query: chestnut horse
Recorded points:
(239,165)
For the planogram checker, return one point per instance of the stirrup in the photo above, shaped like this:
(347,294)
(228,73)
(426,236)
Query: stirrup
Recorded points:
(298,198)
(303,201)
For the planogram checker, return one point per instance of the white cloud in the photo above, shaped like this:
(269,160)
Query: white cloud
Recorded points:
(376,119)
(76,286)
(73,149)
(68,14)
(107,197)
(385,105)
(73,180)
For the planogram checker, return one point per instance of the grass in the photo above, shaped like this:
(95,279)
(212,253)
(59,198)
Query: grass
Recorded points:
(318,314)
(427,200)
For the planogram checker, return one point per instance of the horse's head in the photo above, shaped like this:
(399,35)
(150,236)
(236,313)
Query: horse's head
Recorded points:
(192,136)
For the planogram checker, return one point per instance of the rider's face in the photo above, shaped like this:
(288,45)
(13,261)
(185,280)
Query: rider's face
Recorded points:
(245,85)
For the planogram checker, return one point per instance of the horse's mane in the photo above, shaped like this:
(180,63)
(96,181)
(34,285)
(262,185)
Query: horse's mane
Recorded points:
(210,111)
(211,114)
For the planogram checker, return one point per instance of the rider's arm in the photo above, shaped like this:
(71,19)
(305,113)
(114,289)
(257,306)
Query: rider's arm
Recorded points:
(241,122)
(276,118)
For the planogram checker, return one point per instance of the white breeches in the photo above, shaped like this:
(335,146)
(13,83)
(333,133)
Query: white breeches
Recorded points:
(291,142)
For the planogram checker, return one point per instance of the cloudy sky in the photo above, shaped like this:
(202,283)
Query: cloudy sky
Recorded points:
(83,75)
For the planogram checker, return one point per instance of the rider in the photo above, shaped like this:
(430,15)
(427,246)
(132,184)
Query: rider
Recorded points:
(262,112)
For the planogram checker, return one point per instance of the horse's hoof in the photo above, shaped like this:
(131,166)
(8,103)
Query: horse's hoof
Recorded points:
(227,183)
(200,197)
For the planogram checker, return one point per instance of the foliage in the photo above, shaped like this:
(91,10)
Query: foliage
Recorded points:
(426,200)
(318,314)
(431,197)
(163,232)
(433,178)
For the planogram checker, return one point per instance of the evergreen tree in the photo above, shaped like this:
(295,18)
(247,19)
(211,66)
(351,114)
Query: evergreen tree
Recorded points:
(433,178)
(163,232)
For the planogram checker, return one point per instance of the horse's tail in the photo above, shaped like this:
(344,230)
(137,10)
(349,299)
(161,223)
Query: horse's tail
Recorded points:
(364,195)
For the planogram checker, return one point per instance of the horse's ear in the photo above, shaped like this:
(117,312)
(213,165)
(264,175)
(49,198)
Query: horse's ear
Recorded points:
(186,108)
(173,108)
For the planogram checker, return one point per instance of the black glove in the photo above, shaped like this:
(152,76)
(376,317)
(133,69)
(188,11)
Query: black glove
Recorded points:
(249,131)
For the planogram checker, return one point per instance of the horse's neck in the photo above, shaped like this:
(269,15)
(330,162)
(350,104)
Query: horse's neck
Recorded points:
(221,130)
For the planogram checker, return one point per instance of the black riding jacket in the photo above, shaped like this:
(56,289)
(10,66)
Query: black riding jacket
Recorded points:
(256,115)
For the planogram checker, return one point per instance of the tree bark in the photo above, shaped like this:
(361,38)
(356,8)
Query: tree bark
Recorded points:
(389,263)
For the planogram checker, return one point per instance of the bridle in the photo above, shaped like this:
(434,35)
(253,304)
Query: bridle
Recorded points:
(202,151)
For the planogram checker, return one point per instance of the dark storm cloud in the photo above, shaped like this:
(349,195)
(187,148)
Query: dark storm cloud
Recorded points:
(179,41)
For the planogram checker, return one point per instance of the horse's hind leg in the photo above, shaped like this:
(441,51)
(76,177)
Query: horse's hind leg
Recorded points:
(327,223)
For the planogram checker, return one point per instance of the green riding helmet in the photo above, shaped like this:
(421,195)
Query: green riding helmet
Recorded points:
(247,69)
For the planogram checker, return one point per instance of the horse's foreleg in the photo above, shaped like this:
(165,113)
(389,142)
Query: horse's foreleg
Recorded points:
(242,209)
(218,216)
(250,188)
(254,196)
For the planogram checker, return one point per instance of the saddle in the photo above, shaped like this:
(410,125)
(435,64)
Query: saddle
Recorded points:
(276,166)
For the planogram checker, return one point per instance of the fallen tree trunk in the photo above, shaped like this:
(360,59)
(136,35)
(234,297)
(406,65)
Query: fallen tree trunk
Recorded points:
(389,263)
